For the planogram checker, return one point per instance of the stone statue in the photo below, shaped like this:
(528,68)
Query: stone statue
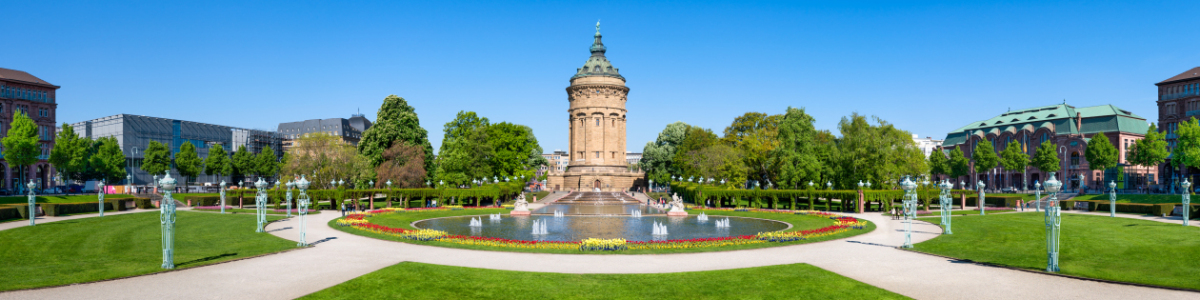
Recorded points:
(677,208)
(520,206)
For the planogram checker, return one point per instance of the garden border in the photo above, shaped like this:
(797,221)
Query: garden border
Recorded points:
(414,223)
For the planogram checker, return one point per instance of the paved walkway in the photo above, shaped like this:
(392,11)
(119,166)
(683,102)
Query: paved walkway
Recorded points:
(337,257)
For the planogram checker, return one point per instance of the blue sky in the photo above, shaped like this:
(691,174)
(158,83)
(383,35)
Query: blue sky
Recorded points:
(928,67)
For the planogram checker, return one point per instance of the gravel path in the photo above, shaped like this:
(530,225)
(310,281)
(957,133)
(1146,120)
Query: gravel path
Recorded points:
(337,257)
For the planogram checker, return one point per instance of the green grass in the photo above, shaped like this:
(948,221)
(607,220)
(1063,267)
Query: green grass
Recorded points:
(1118,249)
(92,249)
(410,280)
(960,212)
(404,220)
(61,199)
(1134,198)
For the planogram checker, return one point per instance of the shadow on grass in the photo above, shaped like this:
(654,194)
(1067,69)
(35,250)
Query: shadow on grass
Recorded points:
(280,229)
(210,258)
(872,244)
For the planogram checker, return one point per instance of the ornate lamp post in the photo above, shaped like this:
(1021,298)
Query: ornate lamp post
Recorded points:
(1037,195)
(260,202)
(910,205)
(868,184)
(1187,199)
(222,196)
(166,219)
(1053,218)
(946,204)
(100,195)
(290,185)
(128,184)
(32,201)
(1112,198)
(860,184)
(341,182)
(1079,189)
(303,202)
(981,201)
(829,184)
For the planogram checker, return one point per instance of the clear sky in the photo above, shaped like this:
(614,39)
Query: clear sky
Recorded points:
(928,67)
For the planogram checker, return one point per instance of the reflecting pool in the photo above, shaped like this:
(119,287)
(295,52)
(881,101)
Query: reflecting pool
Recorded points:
(576,228)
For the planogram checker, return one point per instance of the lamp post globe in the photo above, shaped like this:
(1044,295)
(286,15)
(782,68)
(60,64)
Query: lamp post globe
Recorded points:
(868,184)
(1081,183)
(222,191)
(389,184)
(1037,195)
(1112,198)
(860,184)
(332,184)
(341,182)
(980,185)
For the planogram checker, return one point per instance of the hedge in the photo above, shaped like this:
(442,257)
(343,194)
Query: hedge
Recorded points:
(996,201)
(144,203)
(9,212)
(58,209)
(1137,208)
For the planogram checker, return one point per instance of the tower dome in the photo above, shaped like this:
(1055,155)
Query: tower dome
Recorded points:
(597,64)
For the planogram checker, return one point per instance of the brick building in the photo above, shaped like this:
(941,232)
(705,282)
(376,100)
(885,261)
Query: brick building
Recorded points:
(20,91)
(1178,101)
(1069,129)
(596,117)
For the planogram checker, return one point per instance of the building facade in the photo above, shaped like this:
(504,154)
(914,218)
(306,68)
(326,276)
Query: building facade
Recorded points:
(927,144)
(134,133)
(557,162)
(21,91)
(633,158)
(350,130)
(1178,101)
(596,118)
(1069,129)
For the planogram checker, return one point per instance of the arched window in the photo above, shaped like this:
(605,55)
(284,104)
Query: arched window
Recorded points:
(597,121)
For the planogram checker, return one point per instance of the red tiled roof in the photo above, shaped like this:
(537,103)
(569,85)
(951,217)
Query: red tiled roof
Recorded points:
(1193,73)
(11,74)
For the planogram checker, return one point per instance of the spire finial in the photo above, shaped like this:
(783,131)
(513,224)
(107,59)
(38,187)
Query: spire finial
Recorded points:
(597,27)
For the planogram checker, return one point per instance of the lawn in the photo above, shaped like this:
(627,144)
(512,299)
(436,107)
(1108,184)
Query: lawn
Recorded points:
(1118,249)
(1134,198)
(61,199)
(799,222)
(969,211)
(92,249)
(410,280)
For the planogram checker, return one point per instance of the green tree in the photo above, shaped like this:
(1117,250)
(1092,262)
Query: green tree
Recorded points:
(1150,151)
(243,163)
(324,157)
(217,162)
(70,154)
(395,122)
(266,164)
(466,158)
(985,158)
(657,156)
(21,147)
(1187,146)
(938,164)
(756,136)
(880,153)
(108,161)
(797,153)
(696,139)
(187,162)
(1100,153)
(1045,159)
(958,163)
(515,151)
(1013,158)
(156,160)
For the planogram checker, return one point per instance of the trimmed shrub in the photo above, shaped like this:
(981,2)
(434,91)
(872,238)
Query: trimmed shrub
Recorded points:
(59,209)
(8,213)
(1136,208)
(1163,209)
(144,203)
(204,200)
(996,201)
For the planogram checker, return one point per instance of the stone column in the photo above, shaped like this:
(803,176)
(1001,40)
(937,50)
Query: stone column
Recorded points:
(861,200)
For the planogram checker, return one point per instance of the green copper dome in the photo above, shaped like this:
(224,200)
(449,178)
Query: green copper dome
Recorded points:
(597,64)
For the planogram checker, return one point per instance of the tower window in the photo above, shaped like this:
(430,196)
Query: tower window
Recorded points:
(597,154)
(597,121)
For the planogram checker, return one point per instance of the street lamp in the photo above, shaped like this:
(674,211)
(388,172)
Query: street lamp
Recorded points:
(910,203)
(222,196)
(341,182)
(260,203)
(332,184)
(32,205)
(868,184)
(303,202)
(980,201)
(100,195)
(1037,195)
(1112,199)
(1081,184)
(166,218)
(946,204)
(128,184)
(860,184)
(1053,220)
(290,185)
(1187,199)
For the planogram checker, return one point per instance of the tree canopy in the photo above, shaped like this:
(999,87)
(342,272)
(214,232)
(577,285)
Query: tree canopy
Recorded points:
(187,162)
(1045,158)
(797,152)
(984,156)
(108,162)
(156,160)
(1013,157)
(217,162)
(658,156)
(1100,153)
(396,121)
(21,147)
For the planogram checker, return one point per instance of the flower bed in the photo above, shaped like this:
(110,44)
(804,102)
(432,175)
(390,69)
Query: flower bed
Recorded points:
(358,221)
